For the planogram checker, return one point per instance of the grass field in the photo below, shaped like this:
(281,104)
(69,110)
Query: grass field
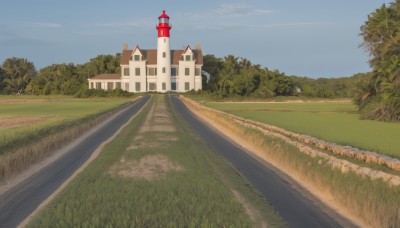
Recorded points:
(336,122)
(26,119)
(157,173)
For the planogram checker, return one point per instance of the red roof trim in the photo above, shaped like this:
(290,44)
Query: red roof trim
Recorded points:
(163,15)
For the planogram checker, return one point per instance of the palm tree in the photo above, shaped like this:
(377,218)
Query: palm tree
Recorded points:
(224,85)
(17,73)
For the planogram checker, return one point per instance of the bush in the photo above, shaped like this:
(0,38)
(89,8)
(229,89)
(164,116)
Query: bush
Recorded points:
(85,93)
(263,92)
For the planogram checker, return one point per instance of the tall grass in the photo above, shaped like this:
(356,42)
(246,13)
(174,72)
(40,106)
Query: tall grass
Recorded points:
(197,196)
(374,201)
(333,122)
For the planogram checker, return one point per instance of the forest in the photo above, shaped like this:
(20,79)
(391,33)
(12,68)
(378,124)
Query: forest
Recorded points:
(376,93)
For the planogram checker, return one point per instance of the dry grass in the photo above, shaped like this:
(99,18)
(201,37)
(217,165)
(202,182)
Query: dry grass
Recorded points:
(7,122)
(252,212)
(150,167)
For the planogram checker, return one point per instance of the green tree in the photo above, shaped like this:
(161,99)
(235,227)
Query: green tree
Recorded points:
(284,84)
(213,66)
(244,82)
(380,98)
(224,85)
(17,73)
(1,79)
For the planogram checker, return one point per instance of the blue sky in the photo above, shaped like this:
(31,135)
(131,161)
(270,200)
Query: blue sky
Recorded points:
(314,38)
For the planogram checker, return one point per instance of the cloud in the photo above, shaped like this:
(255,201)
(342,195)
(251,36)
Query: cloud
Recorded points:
(15,40)
(254,26)
(119,25)
(232,10)
(47,25)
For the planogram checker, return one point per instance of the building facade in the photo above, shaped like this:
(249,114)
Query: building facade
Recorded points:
(158,70)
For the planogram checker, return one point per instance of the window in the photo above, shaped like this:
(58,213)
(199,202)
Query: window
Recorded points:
(137,71)
(137,57)
(173,85)
(137,86)
(197,71)
(98,85)
(163,69)
(187,86)
(187,71)
(187,57)
(152,86)
(126,71)
(118,85)
(164,54)
(164,86)
(164,20)
(126,86)
(91,85)
(110,85)
(152,71)
(174,71)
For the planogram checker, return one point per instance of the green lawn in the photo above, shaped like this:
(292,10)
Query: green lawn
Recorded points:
(25,119)
(336,122)
(181,183)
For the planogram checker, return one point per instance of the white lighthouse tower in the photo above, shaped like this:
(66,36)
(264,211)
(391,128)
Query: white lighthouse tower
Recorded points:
(163,54)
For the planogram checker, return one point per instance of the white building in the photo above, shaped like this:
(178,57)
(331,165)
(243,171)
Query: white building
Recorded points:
(159,70)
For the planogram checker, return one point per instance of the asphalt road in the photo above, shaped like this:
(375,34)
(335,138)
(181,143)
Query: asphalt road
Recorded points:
(20,201)
(295,205)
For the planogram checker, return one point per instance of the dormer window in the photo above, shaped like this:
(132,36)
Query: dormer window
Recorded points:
(137,57)
(188,57)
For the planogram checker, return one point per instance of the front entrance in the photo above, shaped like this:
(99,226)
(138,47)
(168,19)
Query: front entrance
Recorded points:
(152,86)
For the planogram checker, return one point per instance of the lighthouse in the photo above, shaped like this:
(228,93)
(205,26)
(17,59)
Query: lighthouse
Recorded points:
(163,54)
(155,70)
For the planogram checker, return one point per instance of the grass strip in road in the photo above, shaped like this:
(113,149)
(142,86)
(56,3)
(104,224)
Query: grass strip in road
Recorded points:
(158,173)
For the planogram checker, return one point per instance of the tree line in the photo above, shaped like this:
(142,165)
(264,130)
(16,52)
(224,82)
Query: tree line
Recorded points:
(234,76)
(229,76)
(18,75)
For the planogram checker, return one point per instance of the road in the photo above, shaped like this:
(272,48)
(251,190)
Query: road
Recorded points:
(294,203)
(20,201)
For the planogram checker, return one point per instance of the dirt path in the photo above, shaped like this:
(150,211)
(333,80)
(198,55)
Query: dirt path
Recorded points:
(155,132)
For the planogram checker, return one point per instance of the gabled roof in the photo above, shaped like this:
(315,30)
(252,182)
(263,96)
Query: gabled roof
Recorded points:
(137,48)
(151,56)
(107,76)
(186,49)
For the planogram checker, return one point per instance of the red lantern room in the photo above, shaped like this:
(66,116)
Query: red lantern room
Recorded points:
(163,26)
